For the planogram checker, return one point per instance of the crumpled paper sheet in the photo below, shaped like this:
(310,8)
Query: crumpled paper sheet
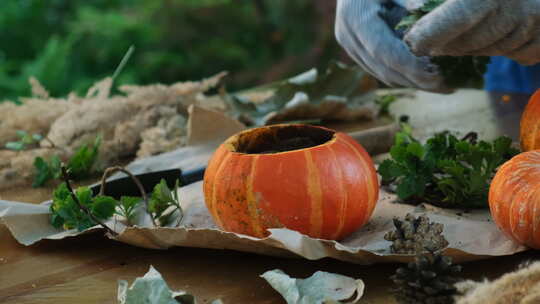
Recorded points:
(471,235)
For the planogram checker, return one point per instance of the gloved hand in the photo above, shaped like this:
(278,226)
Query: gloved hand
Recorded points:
(365,29)
(508,28)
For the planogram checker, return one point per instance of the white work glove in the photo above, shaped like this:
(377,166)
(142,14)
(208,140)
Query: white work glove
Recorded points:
(508,28)
(365,29)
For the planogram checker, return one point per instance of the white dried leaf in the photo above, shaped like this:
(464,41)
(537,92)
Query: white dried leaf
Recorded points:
(150,289)
(321,288)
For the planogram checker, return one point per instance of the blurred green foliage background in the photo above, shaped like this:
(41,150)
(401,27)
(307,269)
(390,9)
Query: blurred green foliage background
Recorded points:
(69,44)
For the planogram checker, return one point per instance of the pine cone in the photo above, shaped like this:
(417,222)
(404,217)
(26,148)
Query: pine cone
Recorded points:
(416,235)
(429,279)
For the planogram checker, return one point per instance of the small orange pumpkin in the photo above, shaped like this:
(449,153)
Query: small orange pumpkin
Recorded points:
(530,124)
(327,190)
(514,198)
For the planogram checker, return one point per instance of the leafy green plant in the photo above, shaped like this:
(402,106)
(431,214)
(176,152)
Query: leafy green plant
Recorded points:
(408,21)
(67,208)
(463,71)
(445,171)
(164,202)
(81,164)
(127,206)
(81,209)
(83,160)
(384,102)
(46,170)
(25,140)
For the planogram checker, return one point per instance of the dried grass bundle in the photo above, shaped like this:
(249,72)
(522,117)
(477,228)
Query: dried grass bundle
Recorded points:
(146,120)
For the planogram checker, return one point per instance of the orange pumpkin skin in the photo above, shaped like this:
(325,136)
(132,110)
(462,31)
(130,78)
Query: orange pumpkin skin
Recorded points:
(326,191)
(530,124)
(514,198)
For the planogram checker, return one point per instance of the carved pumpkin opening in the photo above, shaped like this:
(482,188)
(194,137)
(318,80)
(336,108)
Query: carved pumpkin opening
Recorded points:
(280,138)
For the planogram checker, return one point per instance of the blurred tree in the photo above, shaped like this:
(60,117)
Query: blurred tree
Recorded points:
(68,45)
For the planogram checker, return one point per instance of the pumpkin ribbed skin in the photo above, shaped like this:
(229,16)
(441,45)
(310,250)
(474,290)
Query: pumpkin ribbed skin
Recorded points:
(326,191)
(514,198)
(530,124)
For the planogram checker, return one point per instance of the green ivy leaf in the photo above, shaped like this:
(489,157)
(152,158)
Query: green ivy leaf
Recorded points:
(15,146)
(44,171)
(130,202)
(37,137)
(411,186)
(390,170)
(416,149)
(83,160)
(84,194)
(399,153)
(160,199)
(21,134)
(103,207)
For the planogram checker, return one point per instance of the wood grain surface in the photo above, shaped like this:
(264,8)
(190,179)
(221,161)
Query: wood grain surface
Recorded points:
(86,269)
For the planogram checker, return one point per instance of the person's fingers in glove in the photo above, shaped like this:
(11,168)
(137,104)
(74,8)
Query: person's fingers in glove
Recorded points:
(363,30)
(508,28)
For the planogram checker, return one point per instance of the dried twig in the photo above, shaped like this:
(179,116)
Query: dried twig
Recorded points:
(137,182)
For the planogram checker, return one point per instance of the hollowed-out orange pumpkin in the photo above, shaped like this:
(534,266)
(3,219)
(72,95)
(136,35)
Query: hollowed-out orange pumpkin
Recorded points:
(530,124)
(324,185)
(514,198)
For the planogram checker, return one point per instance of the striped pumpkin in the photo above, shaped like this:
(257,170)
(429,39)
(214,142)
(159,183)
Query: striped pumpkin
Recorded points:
(514,198)
(530,124)
(325,191)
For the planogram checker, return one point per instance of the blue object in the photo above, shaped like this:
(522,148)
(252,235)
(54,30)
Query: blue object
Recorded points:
(506,75)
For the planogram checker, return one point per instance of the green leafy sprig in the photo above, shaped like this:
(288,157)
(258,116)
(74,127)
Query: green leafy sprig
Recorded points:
(83,160)
(80,165)
(25,140)
(408,21)
(164,203)
(46,170)
(445,171)
(126,208)
(384,102)
(80,209)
